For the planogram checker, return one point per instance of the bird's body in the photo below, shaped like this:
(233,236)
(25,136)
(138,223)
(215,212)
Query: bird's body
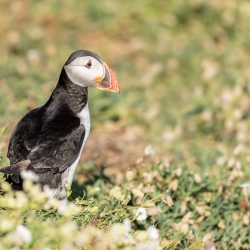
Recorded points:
(85,121)
(49,140)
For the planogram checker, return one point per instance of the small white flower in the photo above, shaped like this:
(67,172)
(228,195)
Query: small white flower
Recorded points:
(245,185)
(221,161)
(48,191)
(117,193)
(197,178)
(127,226)
(29,175)
(141,214)
(62,206)
(152,233)
(32,55)
(117,231)
(127,229)
(149,150)
(245,189)
(24,233)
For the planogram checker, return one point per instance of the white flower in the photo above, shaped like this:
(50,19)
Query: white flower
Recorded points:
(127,229)
(221,161)
(23,233)
(129,174)
(29,175)
(117,193)
(245,189)
(141,214)
(197,178)
(48,191)
(32,55)
(152,233)
(245,185)
(149,150)
(117,231)
(62,206)
(127,226)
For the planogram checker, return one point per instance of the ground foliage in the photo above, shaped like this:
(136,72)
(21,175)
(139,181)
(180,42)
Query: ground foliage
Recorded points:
(183,68)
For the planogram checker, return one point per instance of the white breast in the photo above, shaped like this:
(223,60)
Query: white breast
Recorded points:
(85,120)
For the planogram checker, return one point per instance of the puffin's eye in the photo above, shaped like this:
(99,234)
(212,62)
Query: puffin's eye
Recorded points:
(89,64)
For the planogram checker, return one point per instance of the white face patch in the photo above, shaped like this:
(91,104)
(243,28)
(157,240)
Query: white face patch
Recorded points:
(83,70)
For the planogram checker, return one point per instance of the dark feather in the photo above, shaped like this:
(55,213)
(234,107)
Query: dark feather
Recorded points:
(15,169)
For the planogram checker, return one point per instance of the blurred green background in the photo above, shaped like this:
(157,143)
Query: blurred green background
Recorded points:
(183,67)
(184,72)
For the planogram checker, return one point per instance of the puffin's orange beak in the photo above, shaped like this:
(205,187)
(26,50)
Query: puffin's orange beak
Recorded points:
(109,82)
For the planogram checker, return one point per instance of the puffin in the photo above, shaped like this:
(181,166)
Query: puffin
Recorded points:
(49,140)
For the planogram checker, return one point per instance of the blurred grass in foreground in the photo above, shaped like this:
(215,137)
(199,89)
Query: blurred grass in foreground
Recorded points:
(184,73)
(190,212)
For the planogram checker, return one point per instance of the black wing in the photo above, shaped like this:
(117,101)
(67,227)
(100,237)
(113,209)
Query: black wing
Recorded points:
(50,144)
(57,151)
(25,135)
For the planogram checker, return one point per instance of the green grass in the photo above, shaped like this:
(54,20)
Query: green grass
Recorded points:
(201,206)
(183,68)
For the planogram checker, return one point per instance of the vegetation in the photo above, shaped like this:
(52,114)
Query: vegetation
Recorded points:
(167,162)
